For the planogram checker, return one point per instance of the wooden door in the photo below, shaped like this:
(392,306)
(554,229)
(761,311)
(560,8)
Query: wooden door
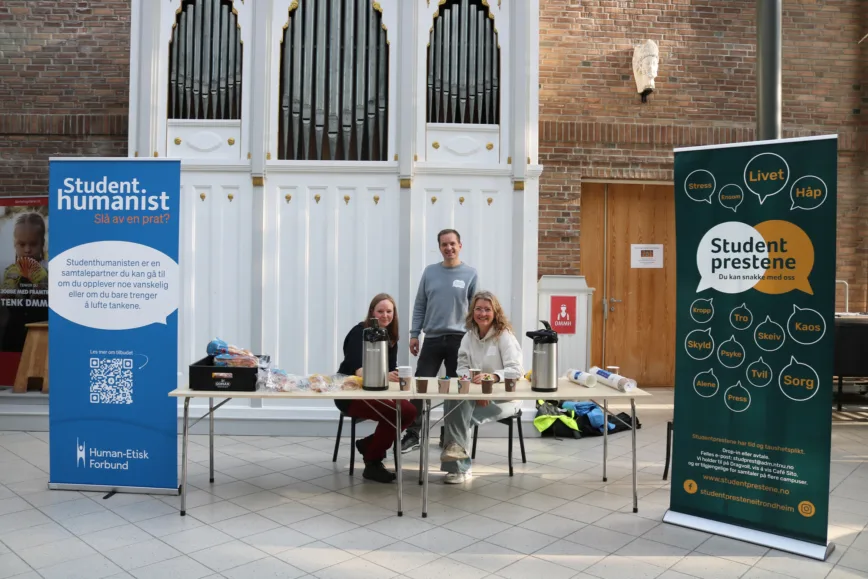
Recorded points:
(633,307)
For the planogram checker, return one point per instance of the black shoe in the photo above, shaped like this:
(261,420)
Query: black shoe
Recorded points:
(410,442)
(375,471)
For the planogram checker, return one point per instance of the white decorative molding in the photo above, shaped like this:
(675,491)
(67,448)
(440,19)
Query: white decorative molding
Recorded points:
(341,167)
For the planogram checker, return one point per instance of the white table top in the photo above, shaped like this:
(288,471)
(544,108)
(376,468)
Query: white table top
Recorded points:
(566,391)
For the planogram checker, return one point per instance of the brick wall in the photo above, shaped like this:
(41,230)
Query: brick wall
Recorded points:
(593,125)
(64,75)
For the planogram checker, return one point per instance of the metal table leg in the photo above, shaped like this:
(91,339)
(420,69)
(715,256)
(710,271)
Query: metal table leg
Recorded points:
(426,420)
(211,437)
(184,444)
(605,436)
(399,474)
(633,431)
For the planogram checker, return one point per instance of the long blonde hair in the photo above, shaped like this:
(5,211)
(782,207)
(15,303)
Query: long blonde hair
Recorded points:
(500,323)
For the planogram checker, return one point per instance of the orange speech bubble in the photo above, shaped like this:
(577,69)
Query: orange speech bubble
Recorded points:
(791,258)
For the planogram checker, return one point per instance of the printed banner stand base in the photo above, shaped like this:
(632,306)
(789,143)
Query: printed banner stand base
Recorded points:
(110,489)
(770,540)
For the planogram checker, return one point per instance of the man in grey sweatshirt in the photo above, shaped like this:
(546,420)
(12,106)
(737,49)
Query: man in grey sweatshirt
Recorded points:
(442,301)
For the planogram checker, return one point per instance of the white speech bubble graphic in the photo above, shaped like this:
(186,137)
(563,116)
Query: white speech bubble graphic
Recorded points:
(762,371)
(698,316)
(786,376)
(742,324)
(770,328)
(723,262)
(739,391)
(820,321)
(704,376)
(735,349)
(701,198)
(723,193)
(762,198)
(825,192)
(688,339)
(114,285)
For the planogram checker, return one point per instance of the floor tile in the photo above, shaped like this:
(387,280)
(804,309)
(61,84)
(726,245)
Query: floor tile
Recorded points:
(116,537)
(22,520)
(323,526)
(738,551)
(179,567)
(90,567)
(290,513)
(855,559)
(12,565)
(441,541)
(94,522)
(13,505)
(618,567)
(521,540)
(70,509)
(487,556)
(533,568)
(446,567)
(314,556)
(363,514)
(245,525)
(629,524)
(355,568)
(210,514)
(508,513)
(169,524)
(599,538)
(196,539)
(144,510)
(571,555)
(359,541)
(228,555)
(709,567)
(278,540)
(268,568)
(551,524)
(260,501)
(653,553)
(141,554)
(477,526)
(35,536)
(400,557)
(676,536)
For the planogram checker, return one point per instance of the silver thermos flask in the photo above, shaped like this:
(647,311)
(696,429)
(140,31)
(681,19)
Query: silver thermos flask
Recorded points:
(375,357)
(544,377)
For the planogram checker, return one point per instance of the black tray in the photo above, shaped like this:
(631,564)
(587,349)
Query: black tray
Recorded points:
(204,375)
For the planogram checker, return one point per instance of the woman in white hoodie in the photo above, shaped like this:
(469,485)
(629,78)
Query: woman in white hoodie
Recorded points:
(490,346)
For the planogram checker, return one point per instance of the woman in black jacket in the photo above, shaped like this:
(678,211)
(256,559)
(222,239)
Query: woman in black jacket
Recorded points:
(373,448)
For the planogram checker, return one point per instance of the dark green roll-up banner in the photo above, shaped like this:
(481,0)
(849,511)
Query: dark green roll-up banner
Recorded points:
(755,234)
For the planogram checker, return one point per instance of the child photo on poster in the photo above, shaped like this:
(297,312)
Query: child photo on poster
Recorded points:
(24,271)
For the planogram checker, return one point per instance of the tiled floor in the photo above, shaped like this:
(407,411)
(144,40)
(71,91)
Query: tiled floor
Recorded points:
(281,508)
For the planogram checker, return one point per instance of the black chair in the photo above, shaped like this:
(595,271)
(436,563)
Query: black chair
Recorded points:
(353,422)
(668,449)
(508,421)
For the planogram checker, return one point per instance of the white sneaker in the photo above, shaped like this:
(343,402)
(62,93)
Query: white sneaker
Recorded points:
(453,452)
(457,478)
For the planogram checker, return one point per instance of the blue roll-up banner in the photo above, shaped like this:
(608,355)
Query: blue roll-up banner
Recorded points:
(113,323)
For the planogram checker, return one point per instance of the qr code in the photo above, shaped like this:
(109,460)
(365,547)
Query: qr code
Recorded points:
(111,380)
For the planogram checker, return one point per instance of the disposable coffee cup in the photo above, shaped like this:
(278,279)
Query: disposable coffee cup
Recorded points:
(405,379)
(487,386)
(509,379)
(443,386)
(422,385)
(474,372)
(464,386)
